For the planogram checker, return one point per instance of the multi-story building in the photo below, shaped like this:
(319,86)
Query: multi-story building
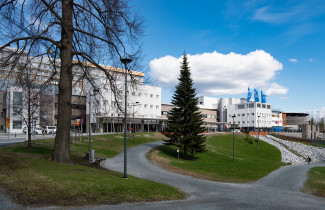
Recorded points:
(277,120)
(249,116)
(106,107)
(209,117)
(143,105)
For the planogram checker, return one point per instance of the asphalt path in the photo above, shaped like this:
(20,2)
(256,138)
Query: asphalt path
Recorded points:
(279,190)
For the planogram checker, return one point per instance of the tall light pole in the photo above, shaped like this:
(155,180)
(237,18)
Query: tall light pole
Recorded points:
(89,122)
(258,139)
(233,139)
(278,123)
(133,105)
(125,61)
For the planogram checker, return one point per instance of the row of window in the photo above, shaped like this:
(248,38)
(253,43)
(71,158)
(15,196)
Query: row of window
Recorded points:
(247,114)
(140,94)
(246,122)
(251,105)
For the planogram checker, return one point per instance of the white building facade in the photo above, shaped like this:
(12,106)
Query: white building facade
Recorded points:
(107,106)
(277,120)
(249,116)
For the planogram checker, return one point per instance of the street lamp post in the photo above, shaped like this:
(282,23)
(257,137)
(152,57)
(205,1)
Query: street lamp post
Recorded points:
(233,139)
(89,122)
(133,105)
(278,123)
(258,139)
(125,61)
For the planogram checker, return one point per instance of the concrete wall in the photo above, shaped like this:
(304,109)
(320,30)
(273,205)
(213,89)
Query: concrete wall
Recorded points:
(310,131)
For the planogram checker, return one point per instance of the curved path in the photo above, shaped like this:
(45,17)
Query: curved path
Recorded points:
(278,190)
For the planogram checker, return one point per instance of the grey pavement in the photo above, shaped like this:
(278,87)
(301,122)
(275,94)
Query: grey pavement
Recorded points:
(278,190)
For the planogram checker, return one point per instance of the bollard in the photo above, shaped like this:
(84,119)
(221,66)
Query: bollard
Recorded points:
(92,156)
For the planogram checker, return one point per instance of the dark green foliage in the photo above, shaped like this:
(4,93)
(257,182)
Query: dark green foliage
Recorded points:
(312,122)
(184,119)
(249,139)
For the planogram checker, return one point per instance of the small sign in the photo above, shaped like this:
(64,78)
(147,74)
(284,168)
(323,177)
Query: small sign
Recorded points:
(7,122)
(78,120)
(78,123)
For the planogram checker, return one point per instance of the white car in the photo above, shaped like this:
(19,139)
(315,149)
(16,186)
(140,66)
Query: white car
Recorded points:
(50,129)
(37,130)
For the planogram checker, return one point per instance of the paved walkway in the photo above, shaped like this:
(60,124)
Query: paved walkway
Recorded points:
(278,190)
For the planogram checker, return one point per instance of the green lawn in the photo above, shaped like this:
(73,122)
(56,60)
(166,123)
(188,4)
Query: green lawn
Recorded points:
(217,163)
(31,179)
(315,183)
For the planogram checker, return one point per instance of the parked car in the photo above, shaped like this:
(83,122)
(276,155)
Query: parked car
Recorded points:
(37,130)
(50,129)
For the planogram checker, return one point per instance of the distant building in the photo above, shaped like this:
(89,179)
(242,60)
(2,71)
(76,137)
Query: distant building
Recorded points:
(209,117)
(249,116)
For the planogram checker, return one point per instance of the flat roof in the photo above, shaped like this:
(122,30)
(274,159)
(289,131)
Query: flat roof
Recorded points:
(296,114)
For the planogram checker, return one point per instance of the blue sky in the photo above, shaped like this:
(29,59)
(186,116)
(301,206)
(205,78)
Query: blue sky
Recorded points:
(277,46)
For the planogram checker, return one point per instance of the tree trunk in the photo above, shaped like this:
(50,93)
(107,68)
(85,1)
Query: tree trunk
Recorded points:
(29,140)
(61,151)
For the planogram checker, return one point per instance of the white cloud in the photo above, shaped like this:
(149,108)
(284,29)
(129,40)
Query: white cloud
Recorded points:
(293,60)
(284,97)
(310,60)
(276,89)
(222,74)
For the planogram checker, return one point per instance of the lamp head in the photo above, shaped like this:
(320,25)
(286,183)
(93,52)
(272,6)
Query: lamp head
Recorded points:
(126,60)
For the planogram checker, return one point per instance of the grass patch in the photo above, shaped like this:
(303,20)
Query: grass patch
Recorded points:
(217,163)
(32,180)
(315,183)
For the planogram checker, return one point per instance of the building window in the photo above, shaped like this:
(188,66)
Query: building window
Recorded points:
(139,105)
(157,96)
(145,106)
(119,92)
(157,106)
(139,94)
(204,115)
(146,94)
(251,105)
(151,95)
(240,106)
(263,106)
(164,113)
(16,124)
(151,106)
(133,93)
(258,105)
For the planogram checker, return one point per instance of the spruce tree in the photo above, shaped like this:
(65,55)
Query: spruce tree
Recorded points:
(185,121)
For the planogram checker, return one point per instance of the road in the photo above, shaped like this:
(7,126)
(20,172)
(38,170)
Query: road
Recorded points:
(278,190)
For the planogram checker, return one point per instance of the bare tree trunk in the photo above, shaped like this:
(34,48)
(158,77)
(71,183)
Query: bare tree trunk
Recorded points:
(61,151)
(29,143)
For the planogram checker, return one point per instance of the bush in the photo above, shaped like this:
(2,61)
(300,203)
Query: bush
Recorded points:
(249,139)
